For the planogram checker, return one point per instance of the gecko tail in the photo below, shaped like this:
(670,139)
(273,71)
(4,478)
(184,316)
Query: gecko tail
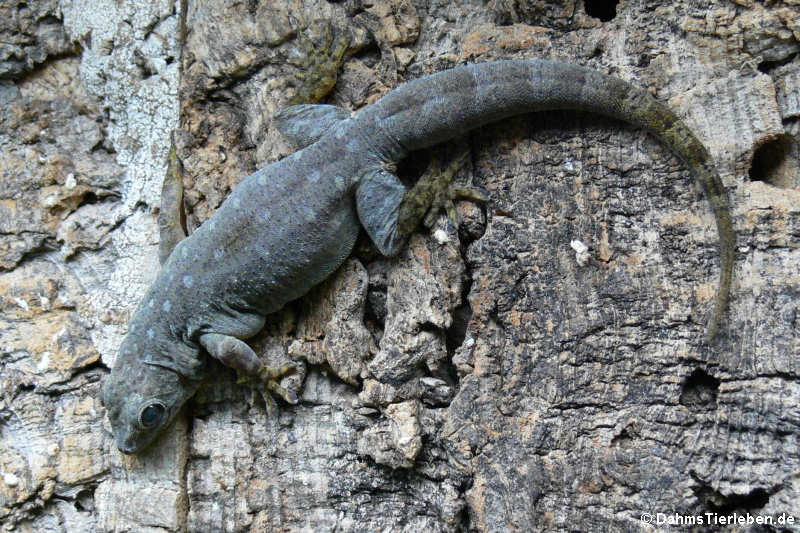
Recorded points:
(441,106)
(635,105)
(727,245)
(642,109)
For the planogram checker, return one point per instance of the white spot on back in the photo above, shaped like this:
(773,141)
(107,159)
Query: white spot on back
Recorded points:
(218,253)
(150,333)
(188,281)
(167,306)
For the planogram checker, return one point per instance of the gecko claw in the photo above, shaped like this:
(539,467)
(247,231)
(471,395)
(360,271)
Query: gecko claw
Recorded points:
(446,193)
(469,193)
(446,201)
(268,373)
(286,395)
(266,384)
(435,191)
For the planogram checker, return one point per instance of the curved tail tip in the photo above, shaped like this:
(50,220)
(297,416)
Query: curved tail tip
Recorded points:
(712,331)
(714,325)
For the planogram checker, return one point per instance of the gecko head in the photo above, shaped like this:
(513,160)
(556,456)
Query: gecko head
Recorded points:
(142,399)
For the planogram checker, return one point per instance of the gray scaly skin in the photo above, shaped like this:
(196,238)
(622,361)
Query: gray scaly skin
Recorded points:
(289,225)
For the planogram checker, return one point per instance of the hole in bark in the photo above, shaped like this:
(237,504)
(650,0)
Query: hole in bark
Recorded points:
(699,390)
(604,10)
(84,500)
(755,499)
(49,20)
(772,163)
(464,517)
(448,372)
(623,438)
(721,504)
(88,198)
(767,66)
(370,54)
(375,308)
(454,335)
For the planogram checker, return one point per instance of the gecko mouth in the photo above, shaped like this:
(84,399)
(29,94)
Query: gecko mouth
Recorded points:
(127,444)
(127,450)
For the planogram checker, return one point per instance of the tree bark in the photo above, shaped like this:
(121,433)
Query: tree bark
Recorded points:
(542,367)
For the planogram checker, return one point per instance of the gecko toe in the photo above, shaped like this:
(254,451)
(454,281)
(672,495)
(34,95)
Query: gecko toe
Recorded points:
(474,194)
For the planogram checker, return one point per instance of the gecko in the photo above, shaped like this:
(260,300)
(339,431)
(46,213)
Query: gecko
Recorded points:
(291,224)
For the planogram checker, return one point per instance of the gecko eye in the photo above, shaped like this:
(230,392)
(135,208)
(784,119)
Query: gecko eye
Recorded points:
(151,415)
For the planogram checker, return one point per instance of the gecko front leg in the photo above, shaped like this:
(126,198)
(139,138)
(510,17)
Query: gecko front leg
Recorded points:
(236,354)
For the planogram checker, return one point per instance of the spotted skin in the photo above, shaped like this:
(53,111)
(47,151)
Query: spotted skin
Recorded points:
(289,225)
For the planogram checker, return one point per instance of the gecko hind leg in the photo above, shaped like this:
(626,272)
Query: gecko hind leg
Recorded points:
(236,354)
(433,192)
(390,212)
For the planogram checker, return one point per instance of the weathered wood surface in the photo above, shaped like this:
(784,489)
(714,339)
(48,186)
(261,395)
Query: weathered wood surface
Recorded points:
(488,379)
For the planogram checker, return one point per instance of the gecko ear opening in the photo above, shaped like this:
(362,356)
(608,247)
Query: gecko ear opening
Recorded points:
(180,359)
(304,124)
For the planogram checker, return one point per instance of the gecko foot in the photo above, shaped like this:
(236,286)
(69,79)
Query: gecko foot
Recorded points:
(323,52)
(267,384)
(435,191)
(447,202)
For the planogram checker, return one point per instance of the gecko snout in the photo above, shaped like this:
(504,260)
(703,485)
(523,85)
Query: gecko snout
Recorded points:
(127,450)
